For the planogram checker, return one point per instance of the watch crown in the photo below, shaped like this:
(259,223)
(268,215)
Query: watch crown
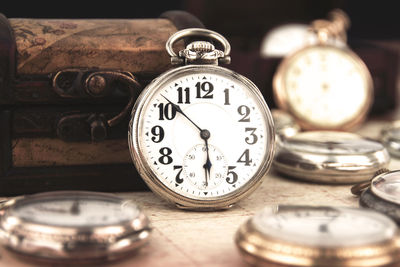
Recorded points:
(201,46)
(378,172)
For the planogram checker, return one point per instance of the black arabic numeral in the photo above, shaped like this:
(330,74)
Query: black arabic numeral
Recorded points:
(245,158)
(183,93)
(226,91)
(206,87)
(178,178)
(233,174)
(158,133)
(165,158)
(166,111)
(245,112)
(253,139)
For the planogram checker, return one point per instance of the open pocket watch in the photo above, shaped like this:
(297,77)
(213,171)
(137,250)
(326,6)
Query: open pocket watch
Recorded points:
(72,227)
(201,136)
(330,157)
(381,193)
(324,86)
(319,236)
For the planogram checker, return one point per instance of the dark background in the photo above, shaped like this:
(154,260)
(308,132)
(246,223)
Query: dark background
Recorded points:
(249,19)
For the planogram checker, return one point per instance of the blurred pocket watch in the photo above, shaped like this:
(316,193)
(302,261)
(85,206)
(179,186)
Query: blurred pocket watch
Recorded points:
(381,193)
(72,227)
(390,137)
(325,86)
(318,236)
(330,157)
(284,123)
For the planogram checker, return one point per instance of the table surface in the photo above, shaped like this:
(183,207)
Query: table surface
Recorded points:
(187,238)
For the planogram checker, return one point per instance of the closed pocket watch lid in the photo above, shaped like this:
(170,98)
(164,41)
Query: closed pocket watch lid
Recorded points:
(330,157)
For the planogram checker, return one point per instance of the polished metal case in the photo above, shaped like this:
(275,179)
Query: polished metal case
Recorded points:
(372,201)
(260,249)
(281,98)
(317,166)
(151,178)
(50,243)
(390,137)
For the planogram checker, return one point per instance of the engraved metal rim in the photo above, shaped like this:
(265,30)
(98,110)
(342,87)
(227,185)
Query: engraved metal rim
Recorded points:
(260,249)
(378,192)
(150,177)
(196,32)
(66,242)
(329,168)
(281,99)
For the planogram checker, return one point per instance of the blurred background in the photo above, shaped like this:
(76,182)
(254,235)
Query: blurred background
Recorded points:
(373,33)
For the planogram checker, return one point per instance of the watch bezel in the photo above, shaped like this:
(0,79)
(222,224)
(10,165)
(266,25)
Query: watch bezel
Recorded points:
(281,99)
(151,179)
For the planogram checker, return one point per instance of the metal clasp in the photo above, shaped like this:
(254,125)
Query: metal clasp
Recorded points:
(335,27)
(199,52)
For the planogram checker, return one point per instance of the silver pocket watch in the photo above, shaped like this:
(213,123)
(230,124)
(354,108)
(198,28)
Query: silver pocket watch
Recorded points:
(72,226)
(330,157)
(201,136)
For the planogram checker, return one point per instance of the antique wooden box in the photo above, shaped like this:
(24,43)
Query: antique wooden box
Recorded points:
(66,90)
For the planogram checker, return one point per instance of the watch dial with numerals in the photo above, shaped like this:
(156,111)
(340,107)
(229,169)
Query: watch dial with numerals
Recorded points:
(325,226)
(202,133)
(325,87)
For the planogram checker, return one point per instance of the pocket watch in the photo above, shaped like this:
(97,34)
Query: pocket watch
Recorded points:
(201,136)
(381,193)
(324,86)
(390,137)
(330,157)
(285,125)
(72,226)
(319,236)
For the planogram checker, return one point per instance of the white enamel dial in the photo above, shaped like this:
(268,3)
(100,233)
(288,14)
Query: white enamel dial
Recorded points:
(190,109)
(325,226)
(326,86)
(75,211)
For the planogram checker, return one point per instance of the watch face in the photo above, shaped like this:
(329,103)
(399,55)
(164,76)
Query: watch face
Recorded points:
(202,133)
(75,210)
(330,142)
(325,87)
(387,186)
(324,226)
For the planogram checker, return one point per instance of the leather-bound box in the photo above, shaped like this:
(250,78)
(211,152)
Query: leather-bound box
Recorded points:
(66,91)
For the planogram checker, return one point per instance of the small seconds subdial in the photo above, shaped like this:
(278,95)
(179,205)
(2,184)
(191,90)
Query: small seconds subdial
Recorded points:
(195,171)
